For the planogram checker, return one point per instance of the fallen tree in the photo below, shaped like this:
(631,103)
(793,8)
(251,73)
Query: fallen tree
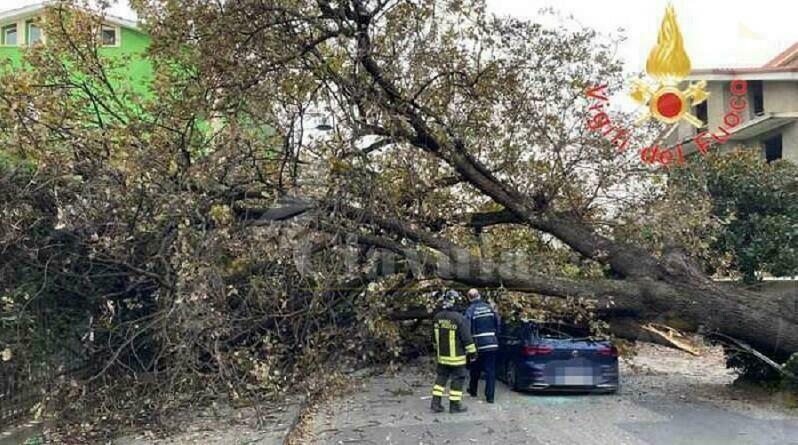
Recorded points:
(447,91)
(671,288)
(458,152)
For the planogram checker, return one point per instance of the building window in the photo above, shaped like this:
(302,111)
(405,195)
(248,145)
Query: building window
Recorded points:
(757,96)
(702,112)
(33,34)
(10,35)
(109,36)
(773,148)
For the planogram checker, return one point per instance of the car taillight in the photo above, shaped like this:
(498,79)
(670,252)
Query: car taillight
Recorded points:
(608,351)
(537,350)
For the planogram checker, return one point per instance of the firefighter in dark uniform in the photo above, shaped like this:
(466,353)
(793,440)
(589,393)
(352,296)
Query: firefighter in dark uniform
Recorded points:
(453,343)
(484,323)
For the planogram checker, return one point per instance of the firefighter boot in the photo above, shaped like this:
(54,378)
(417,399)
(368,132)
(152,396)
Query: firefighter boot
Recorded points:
(437,406)
(457,407)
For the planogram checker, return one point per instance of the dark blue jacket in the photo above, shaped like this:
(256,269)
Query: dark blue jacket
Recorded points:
(485,324)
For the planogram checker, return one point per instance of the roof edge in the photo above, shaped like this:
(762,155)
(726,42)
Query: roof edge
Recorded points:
(785,57)
(782,63)
(763,70)
(32,9)
(770,74)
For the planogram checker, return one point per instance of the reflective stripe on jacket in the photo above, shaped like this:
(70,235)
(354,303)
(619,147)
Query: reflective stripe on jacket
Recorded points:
(484,323)
(452,338)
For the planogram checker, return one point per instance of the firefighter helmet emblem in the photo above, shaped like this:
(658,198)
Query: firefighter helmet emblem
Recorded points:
(669,65)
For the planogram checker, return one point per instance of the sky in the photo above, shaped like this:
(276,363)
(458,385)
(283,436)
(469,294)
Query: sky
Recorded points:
(717,33)
(119,8)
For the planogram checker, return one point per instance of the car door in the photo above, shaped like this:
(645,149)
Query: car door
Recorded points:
(510,343)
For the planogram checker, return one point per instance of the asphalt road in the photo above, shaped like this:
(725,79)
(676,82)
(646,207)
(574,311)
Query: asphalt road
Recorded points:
(681,407)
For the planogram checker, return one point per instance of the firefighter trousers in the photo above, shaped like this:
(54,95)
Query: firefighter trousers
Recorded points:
(457,375)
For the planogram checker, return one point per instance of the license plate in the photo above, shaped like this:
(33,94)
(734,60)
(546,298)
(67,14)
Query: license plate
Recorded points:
(573,376)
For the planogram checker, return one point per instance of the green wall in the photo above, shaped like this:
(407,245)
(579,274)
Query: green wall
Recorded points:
(137,73)
(138,69)
(12,53)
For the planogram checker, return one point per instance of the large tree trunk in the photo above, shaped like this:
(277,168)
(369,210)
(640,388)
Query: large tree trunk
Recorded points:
(688,302)
(766,323)
(667,288)
(649,287)
(670,290)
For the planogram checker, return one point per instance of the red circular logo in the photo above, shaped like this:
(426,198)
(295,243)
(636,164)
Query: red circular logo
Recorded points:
(669,105)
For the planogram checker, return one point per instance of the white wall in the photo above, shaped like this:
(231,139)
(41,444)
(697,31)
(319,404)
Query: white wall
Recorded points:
(780,96)
(718,104)
(790,142)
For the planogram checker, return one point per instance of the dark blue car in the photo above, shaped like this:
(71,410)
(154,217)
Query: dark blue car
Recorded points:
(555,357)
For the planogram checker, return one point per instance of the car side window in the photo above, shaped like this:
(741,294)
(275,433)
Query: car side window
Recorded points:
(509,331)
(531,332)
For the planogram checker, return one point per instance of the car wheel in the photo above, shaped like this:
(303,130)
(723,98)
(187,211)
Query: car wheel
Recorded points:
(512,375)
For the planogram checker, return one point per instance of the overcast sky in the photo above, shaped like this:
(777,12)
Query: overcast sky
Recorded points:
(717,33)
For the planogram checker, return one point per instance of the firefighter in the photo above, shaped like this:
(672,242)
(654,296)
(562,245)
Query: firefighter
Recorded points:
(484,323)
(454,348)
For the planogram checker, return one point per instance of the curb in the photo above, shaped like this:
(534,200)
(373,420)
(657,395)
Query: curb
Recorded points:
(21,433)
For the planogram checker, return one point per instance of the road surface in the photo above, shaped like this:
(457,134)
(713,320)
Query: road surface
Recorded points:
(667,399)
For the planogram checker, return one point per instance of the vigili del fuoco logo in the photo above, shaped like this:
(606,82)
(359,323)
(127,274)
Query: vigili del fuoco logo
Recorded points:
(661,98)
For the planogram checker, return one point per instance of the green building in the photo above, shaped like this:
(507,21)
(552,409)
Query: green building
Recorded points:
(19,28)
